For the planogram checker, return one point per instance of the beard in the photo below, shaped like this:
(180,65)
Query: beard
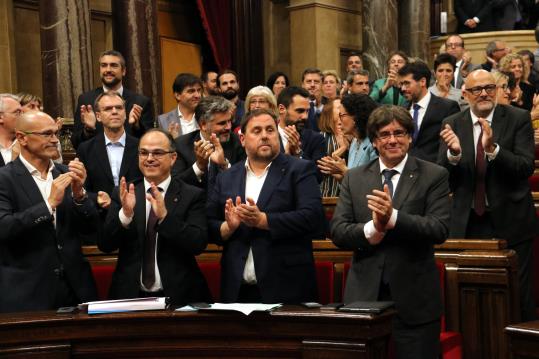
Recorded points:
(115,81)
(229,94)
(300,125)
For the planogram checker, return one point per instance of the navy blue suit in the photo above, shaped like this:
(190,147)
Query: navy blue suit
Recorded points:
(284,263)
(313,147)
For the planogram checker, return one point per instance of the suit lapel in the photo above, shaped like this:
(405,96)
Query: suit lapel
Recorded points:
(465,136)
(130,156)
(276,173)
(172,197)
(25,179)
(374,180)
(102,156)
(140,209)
(499,123)
(407,180)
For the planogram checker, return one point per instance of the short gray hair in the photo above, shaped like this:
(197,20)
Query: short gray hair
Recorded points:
(491,46)
(7,95)
(354,73)
(210,105)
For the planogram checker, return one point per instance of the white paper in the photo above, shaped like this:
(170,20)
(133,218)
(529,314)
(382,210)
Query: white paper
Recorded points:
(126,305)
(245,308)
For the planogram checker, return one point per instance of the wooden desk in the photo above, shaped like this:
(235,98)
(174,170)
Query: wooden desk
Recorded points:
(290,332)
(524,339)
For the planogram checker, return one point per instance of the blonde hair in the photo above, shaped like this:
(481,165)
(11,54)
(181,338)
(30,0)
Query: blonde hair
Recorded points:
(505,65)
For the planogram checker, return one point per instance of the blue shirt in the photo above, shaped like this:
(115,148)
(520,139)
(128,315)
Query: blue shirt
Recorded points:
(115,152)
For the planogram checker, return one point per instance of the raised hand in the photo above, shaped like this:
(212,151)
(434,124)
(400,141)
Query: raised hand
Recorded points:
(203,150)
(174,129)
(59,185)
(293,147)
(76,168)
(87,116)
(251,215)
(231,216)
(380,203)
(157,200)
(134,116)
(487,139)
(218,154)
(103,199)
(127,197)
(451,140)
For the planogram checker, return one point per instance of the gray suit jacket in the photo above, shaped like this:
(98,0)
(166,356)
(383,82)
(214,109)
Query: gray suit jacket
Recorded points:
(166,119)
(460,80)
(405,257)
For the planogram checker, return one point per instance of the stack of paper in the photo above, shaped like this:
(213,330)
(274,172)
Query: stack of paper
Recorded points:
(245,308)
(125,305)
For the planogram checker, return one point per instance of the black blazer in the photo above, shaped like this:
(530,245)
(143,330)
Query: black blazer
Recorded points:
(93,153)
(181,236)
(32,251)
(313,147)
(284,262)
(405,256)
(183,167)
(482,9)
(428,139)
(508,192)
(130,97)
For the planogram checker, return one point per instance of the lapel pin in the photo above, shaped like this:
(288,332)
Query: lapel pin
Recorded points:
(175,199)
(411,175)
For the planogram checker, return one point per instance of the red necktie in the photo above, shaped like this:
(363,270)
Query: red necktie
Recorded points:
(148,260)
(480,173)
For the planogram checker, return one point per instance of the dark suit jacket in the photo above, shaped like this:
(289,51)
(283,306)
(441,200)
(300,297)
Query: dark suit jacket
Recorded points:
(181,236)
(183,167)
(2,163)
(405,257)
(93,153)
(313,146)
(130,97)
(505,14)
(32,251)
(428,140)
(283,257)
(466,9)
(508,192)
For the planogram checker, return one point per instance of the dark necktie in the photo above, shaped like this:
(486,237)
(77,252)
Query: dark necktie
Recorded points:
(480,172)
(415,118)
(388,174)
(148,261)
(311,117)
(455,78)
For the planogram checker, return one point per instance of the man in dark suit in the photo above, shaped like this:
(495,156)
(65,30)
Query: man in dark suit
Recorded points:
(204,153)
(112,154)
(311,81)
(296,140)
(474,16)
(391,212)
(138,107)
(159,226)
(181,120)
(489,152)
(229,87)
(10,110)
(265,211)
(454,45)
(426,109)
(43,212)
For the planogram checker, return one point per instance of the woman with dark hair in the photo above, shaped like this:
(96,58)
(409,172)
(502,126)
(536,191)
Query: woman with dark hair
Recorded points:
(277,81)
(354,113)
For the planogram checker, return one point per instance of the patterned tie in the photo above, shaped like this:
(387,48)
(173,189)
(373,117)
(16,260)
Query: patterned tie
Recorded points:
(388,174)
(148,260)
(415,120)
(480,173)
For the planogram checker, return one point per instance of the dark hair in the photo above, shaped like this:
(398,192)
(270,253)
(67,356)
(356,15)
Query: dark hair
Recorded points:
(114,53)
(528,53)
(204,76)
(354,73)
(171,143)
(418,70)
(288,93)
(511,81)
(107,94)
(310,70)
(445,58)
(398,52)
(274,76)
(254,113)
(360,106)
(224,72)
(183,80)
(25,98)
(386,114)
(209,106)
(353,53)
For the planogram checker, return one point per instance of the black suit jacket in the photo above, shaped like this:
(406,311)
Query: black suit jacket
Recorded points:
(405,256)
(2,163)
(507,189)
(284,262)
(93,153)
(130,97)
(428,139)
(183,167)
(181,236)
(313,147)
(482,9)
(33,253)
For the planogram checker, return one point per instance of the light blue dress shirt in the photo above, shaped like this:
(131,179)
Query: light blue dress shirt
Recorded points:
(115,152)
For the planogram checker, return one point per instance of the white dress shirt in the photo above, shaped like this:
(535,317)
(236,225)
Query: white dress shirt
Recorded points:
(283,135)
(115,153)
(187,126)
(423,104)
(43,184)
(7,152)
(120,91)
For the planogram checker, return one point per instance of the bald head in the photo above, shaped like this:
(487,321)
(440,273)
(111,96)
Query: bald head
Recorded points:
(478,75)
(480,92)
(32,120)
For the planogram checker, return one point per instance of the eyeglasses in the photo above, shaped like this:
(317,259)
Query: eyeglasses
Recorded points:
(343,115)
(454,44)
(158,154)
(259,102)
(110,108)
(45,134)
(489,89)
(398,134)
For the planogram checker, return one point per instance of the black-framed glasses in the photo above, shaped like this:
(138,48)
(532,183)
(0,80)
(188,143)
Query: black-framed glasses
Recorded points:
(386,135)
(158,154)
(489,89)
(45,134)
(110,108)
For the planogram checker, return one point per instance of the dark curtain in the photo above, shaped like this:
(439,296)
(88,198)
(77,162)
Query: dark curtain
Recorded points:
(216,17)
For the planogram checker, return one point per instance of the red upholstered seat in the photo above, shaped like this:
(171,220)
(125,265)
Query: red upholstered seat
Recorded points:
(325,280)
(533,180)
(103,277)
(212,273)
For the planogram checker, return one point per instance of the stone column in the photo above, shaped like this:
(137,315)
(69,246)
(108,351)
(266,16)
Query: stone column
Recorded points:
(414,28)
(65,53)
(8,68)
(135,35)
(379,34)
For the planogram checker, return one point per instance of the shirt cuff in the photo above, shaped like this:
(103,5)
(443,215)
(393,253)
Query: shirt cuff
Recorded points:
(372,235)
(392,219)
(452,158)
(476,19)
(51,211)
(124,220)
(492,156)
(198,171)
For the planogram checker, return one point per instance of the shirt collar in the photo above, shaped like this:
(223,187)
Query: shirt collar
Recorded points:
(281,132)
(163,185)
(488,118)
(459,63)
(119,91)
(121,140)
(33,171)
(250,171)
(182,117)
(424,102)
(10,146)
(399,168)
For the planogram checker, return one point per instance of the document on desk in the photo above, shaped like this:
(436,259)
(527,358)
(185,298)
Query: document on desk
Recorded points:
(125,305)
(245,308)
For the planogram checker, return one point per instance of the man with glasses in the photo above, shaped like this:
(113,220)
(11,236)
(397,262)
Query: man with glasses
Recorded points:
(10,110)
(454,45)
(112,154)
(44,212)
(495,51)
(392,212)
(489,152)
(158,225)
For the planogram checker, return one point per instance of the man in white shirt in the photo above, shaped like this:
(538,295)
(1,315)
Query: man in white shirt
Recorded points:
(187,90)
(454,45)
(10,110)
